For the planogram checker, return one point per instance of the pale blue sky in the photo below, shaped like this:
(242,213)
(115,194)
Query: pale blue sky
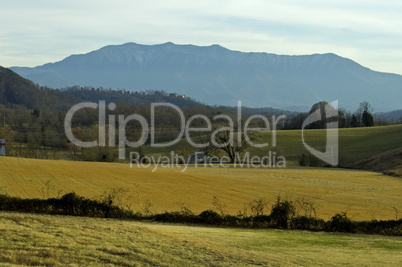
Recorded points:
(370,32)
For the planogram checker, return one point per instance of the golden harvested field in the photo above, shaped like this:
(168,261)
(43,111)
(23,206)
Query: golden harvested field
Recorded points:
(44,240)
(363,195)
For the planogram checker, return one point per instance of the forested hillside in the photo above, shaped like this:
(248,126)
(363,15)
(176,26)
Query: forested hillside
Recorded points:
(15,90)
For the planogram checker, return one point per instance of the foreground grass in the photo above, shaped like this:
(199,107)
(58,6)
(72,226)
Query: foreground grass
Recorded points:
(363,195)
(28,239)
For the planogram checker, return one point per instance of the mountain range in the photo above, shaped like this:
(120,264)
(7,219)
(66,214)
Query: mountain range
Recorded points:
(219,76)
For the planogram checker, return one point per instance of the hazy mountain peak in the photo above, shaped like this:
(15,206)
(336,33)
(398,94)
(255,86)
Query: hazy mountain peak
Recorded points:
(216,75)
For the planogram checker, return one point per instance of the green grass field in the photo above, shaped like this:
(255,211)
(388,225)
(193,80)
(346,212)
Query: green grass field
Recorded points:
(355,144)
(42,240)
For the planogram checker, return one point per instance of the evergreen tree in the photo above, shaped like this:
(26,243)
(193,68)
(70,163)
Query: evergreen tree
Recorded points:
(367,119)
(365,111)
(354,122)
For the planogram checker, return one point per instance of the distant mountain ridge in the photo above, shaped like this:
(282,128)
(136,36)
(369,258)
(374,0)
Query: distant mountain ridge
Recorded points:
(219,76)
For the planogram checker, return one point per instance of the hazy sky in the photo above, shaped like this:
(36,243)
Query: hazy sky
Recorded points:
(370,32)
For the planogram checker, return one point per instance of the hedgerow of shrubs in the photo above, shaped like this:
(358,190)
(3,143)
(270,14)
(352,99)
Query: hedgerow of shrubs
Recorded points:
(341,223)
(69,204)
(282,216)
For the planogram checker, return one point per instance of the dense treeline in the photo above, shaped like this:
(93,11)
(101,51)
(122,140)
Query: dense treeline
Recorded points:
(282,215)
(130,98)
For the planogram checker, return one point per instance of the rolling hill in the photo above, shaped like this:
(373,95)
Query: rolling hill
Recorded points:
(216,75)
(15,90)
(369,148)
(363,195)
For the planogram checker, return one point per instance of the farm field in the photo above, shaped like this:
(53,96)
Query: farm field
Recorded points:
(355,144)
(31,239)
(363,195)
